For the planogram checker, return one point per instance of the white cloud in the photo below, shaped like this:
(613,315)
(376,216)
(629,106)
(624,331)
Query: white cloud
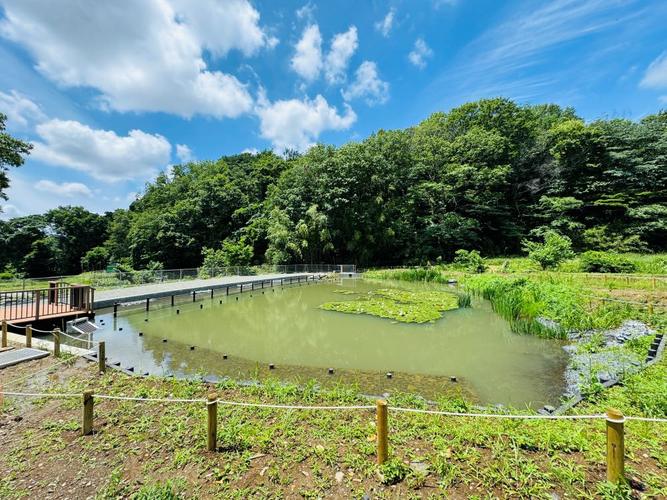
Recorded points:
(385,26)
(223,26)
(306,12)
(438,3)
(297,124)
(101,153)
(656,73)
(69,189)
(367,84)
(141,56)
(251,151)
(9,211)
(343,46)
(307,60)
(19,109)
(184,153)
(420,53)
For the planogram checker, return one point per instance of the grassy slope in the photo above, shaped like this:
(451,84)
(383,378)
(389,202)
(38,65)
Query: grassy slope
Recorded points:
(268,453)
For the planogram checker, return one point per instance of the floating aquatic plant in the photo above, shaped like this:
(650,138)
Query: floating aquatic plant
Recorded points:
(399,305)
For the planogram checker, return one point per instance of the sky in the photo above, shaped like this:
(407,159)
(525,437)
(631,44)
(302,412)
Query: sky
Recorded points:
(111,92)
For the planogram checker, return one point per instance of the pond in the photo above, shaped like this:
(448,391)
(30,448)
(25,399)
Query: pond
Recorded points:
(239,336)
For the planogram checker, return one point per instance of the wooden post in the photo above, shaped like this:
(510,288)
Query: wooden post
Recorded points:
(615,446)
(627,280)
(37,301)
(4,333)
(87,412)
(102,356)
(653,281)
(148,304)
(56,342)
(650,308)
(212,430)
(172,301)
(382,436)
(211,292)
(227,293)
(115,309)
(603,302)
(28,336)
(194,296)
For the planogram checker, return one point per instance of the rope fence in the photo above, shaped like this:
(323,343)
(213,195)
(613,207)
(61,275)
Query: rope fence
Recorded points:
(614,420)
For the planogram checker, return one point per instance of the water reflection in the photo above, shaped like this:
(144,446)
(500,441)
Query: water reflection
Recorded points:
(285,327)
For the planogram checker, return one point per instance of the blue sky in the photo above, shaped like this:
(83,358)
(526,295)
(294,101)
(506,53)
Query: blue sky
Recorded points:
(113,91)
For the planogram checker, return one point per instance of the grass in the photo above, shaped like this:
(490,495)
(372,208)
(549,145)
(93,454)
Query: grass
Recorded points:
(154,450)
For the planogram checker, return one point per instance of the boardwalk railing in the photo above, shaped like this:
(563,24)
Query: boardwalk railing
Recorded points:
(118,279)
(58,299)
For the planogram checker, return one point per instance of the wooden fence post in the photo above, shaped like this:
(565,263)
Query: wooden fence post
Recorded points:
(87,412)
(650,308)
(56,342)
(28,336)
(615,446)
(382,435)
(4,333)
(212,429)
(101,356)
(653,281)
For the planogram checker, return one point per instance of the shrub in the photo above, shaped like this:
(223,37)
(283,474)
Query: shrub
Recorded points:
(470,261)
(602,262)
(555,249)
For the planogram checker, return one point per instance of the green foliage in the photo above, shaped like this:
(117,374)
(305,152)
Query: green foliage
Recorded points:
(601,262)
(555,249)
(399,305)
(96,258)
(161,491)
(488,175)
(471,262)
(394,471)
(232,253)
(12,152)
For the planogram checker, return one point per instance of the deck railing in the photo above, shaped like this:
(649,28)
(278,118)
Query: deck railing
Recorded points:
(59,298)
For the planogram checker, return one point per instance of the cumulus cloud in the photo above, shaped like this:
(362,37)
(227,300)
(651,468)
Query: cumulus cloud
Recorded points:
(656,74)
(9,211)
(343,46)
(385,26)
(297,124)
(141,56)
(69,189)
(101,153)
(184,153)
(307,60)
(367,84)
(20,110)
(420,53)
(306,12)
(251,151)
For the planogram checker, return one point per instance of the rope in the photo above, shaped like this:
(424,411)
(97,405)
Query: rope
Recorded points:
(40,395)
(293,407)
(646,419)
(153,400)
(359,407)
(15,326)
(499,415)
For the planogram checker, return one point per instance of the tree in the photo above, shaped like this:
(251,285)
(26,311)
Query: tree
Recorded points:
(11,155)
(43,259)
(555,249)
(95,259)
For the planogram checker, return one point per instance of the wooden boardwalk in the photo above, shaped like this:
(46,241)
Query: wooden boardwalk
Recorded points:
(107,298)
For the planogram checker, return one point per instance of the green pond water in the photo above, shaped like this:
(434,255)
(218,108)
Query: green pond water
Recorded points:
(285,327)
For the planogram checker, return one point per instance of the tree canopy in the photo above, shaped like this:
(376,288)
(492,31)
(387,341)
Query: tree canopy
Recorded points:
(490,175)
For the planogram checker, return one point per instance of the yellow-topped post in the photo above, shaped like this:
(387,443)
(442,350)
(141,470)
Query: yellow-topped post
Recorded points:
(615,446)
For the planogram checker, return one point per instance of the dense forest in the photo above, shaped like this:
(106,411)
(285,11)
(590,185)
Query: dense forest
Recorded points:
(488,175)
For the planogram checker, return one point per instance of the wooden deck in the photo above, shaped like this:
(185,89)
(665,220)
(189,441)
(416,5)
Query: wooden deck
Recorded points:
(60,300)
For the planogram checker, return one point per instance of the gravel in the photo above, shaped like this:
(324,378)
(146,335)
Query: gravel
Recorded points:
(608,362)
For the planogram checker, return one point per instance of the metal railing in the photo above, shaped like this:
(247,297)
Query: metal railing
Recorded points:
(120,279)
(59,298)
